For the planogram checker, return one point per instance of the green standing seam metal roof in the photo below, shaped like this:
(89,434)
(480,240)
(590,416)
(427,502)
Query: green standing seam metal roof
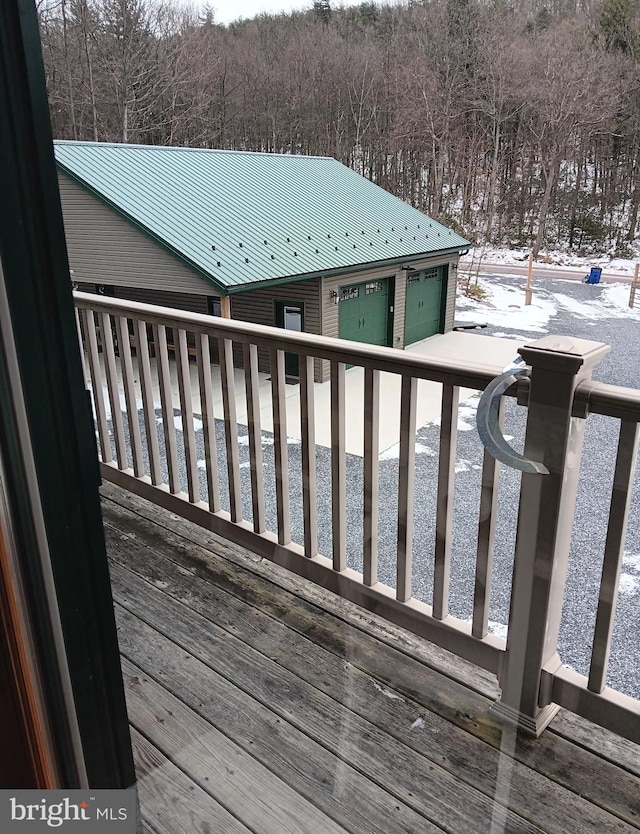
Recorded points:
(241,219)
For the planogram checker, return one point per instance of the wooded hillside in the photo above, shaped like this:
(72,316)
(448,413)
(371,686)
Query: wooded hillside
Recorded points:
(514,122)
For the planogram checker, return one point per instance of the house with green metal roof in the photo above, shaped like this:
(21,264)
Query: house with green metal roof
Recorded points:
(293,241)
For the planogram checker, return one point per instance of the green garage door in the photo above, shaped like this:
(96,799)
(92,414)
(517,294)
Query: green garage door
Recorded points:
(364,312)
(423,311)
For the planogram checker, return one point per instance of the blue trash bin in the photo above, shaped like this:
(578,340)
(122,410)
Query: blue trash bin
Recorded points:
(594,276)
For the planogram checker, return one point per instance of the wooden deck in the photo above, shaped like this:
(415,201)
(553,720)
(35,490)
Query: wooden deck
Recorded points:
(260,704)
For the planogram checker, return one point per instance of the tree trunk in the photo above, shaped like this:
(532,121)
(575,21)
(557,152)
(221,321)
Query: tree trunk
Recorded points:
(574,202)
(551,177)
(635,200)
(70,80)
(633,220)
(492,179)
(92,90)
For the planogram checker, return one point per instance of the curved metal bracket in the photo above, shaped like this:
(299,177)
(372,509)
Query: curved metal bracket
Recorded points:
(489,426)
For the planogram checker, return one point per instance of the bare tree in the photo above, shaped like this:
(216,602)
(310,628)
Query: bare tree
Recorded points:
(513,121)
(572,90)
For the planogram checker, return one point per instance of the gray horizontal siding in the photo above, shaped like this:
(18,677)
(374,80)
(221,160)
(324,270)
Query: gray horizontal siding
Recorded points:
(179,300)
(106,249)
(258,306)
(254,307)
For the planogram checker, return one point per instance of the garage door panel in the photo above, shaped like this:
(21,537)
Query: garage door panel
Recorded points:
(364,311)
(423,304)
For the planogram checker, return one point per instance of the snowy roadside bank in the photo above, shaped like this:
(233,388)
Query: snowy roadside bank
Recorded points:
(549,261)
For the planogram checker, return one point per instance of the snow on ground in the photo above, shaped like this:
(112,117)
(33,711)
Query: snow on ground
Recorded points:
(499,629)
(520,337)
(464,465)
(467,413)
(177,422)
(504,307)
(243,440)
(616,297)
(631,560)
(630,579)
(584,309)
(393,452)
(519,257)
(106,399)
(629,584)
(613,303)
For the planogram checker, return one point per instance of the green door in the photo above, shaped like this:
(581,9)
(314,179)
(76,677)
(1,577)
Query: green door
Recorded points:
(364,312)
(423,309)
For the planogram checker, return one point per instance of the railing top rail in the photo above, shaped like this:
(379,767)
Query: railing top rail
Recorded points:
(609,400)
(454,372)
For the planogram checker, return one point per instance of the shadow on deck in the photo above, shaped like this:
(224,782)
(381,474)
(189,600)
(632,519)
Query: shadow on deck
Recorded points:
(259,703)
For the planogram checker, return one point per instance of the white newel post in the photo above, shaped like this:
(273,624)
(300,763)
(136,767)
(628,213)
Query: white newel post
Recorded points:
(545,520)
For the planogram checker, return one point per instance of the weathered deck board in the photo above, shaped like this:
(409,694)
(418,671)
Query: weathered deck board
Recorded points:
(321,777)
(604,744)
(171,802)
(245,787)
(427,788)
(195,539)
(467,757)
(571,765)
(329,655)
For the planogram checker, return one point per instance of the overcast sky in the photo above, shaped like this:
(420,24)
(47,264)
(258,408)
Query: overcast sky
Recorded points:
(228,10)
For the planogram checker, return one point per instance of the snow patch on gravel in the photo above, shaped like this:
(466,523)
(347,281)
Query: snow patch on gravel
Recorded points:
(631,560)
(393,452)
(504,307)
(629,585)
(517,337)
(616,298)
(177,422)
(612,303)
(498,629)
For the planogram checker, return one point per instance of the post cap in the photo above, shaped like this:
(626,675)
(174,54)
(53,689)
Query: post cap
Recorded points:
(564,354)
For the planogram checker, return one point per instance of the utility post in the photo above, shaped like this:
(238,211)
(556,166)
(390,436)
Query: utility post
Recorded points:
(527,292)
(634,287)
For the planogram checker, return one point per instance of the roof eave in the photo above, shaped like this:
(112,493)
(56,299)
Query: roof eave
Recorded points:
(346,270)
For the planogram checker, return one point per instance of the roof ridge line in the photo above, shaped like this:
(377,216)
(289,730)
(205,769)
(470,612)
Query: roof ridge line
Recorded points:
(135,146)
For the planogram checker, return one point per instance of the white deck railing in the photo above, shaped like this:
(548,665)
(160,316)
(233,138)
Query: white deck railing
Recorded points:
(123,369)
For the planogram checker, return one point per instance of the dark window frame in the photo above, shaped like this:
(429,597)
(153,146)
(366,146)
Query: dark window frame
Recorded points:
(60,432)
